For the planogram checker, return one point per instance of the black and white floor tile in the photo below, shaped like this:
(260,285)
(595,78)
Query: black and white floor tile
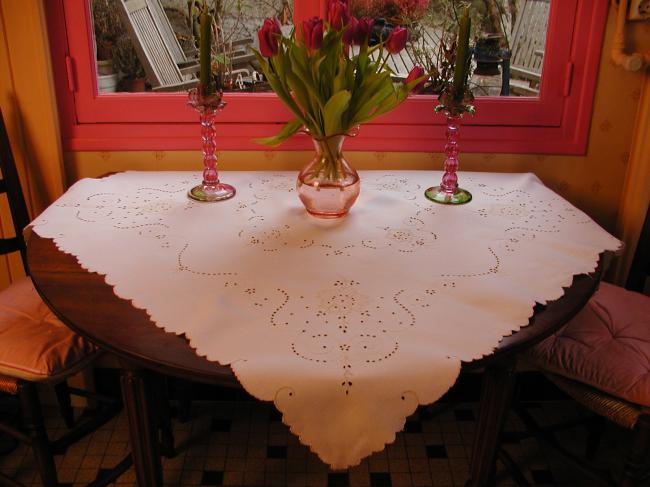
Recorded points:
(244,443)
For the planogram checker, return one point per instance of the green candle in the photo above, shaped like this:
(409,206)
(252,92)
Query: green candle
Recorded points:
(462,53)
(205,52)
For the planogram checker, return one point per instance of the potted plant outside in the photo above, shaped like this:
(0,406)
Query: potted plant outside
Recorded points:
(126,61)
(107,27)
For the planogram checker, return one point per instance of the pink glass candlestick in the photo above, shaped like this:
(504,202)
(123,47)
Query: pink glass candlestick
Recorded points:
(211,189)
(448,193)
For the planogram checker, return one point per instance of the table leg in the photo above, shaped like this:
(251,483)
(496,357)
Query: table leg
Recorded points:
(143,430)
(496,396)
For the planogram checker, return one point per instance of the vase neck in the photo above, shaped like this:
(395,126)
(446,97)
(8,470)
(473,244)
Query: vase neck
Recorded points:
(330,146)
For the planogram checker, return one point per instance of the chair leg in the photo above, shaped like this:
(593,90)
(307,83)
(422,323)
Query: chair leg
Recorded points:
(65,404)
(35,428)
(635,470)
(164,418)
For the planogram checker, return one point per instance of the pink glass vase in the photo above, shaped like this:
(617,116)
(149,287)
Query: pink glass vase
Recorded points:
(328,186)
(448,193)
(208,106)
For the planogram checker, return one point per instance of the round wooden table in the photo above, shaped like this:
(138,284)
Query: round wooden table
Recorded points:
(84,302)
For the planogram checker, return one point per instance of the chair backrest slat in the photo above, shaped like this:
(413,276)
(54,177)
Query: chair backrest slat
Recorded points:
(529,36)
(155,43)
(11,186)
(160,17)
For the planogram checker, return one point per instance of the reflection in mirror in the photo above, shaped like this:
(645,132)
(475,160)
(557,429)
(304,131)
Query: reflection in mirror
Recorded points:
(509,38)
(152,45)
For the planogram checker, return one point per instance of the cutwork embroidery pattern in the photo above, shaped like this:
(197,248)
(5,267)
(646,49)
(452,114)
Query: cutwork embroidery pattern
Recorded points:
(366,317)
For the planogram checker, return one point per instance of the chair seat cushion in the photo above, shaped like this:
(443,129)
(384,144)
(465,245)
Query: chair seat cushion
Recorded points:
(607,345)
(34,344)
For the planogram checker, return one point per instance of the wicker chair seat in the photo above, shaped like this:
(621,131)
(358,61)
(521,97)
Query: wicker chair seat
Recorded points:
(34,345)
(606,346)
(616,410)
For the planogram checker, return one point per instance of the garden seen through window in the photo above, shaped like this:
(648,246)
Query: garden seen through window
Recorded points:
(535,69)
(151,45)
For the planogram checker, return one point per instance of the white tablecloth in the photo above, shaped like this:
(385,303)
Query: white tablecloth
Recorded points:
(347,325)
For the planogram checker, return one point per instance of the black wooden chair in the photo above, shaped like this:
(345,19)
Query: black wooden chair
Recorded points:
(36,348)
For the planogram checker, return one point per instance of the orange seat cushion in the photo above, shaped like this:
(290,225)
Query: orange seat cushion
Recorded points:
(607,345)
(34,344)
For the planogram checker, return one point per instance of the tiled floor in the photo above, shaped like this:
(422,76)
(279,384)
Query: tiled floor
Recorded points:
(246,444)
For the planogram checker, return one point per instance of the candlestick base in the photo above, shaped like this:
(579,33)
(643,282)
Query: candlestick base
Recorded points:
(458,197)
(211,192)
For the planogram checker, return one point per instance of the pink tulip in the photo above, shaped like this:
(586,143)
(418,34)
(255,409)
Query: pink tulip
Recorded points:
(396,40)
(312,31)
(268,36)
(338,14)
(416,72)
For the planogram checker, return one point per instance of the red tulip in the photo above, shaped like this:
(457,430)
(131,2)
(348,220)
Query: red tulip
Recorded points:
(363,30)
(268,36)
(416,72)
(350,31)
(312,31)
(338,14)
(396,40)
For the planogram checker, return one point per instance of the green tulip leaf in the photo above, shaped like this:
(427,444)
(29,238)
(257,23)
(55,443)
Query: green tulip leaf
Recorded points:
(333,112)
(287,131)
(329,90)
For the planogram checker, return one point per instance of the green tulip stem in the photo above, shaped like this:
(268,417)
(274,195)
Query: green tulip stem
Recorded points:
(462,53)
(385,60)
(205,53)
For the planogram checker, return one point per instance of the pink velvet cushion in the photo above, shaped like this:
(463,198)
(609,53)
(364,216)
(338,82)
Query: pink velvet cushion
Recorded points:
(34,344)
(607,345)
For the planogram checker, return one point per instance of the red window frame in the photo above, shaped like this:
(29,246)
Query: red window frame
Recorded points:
(556,122)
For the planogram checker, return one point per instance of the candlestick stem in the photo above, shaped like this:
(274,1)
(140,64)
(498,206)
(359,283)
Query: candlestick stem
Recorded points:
(448,192)
(211,189)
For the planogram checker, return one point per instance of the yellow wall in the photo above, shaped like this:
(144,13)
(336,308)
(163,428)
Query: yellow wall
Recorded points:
(635,198)
(592,182)
(29,110)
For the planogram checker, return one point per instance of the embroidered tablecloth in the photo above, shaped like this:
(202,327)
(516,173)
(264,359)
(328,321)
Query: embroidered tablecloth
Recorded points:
(346,325)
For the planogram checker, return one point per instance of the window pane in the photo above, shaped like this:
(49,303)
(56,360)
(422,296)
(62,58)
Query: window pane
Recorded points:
(510,37)
(154,47)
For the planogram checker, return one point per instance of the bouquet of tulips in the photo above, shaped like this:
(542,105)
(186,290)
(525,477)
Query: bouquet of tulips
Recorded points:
(329,86)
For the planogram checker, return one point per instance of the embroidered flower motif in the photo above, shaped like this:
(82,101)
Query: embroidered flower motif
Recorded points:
(409,239)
